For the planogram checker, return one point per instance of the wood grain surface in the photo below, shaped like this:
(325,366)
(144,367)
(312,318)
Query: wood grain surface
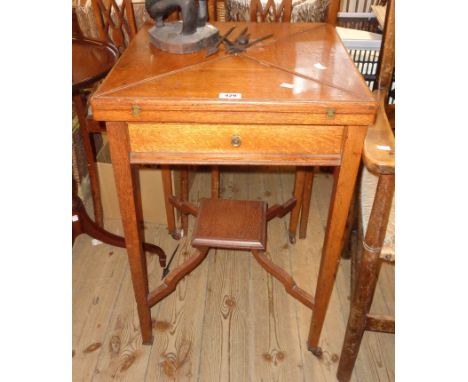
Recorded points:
(259,139)
(225,223)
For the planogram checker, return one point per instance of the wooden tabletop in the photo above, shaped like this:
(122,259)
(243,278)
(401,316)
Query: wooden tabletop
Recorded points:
(91,61)
(303,68)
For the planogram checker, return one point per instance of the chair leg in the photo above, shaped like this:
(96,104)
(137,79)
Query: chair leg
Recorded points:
(298,190)
(215,182)
(306,197)
(80,106)
(360,306)
(170,216)
(367,276)
(351,224)
(184,197)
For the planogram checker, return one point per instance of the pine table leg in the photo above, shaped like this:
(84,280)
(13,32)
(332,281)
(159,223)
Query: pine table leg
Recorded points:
(337,216)
(125,184)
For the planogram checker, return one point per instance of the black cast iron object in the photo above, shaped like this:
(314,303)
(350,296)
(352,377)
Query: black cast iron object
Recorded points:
(240,44)
(191,16)
(189,35)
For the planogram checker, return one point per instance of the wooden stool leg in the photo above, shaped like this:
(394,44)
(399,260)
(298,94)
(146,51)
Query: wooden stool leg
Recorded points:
(306,197)
(298,190)
(367,276)
(360,306)
(80,107)
(184,198)
(119,148)
(215,182)
(337,215)
(170,216)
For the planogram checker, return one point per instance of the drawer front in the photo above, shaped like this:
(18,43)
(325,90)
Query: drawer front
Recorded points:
(281,144)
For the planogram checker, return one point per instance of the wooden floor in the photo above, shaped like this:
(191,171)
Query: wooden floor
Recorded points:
(228,320)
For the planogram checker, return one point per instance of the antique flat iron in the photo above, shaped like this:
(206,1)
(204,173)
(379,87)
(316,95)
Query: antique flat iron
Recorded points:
(190,35)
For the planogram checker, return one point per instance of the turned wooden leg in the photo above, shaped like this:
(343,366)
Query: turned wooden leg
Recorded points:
(125,184)
(306,197)
(337,215)
(184,197)
(80,107)
(298,189)
(215,182)
(367,276)
(360,306)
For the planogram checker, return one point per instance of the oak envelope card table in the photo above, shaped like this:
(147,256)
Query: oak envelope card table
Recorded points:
(295,99)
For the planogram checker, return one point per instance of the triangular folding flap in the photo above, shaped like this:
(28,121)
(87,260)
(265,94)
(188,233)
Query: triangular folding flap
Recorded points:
(237,75)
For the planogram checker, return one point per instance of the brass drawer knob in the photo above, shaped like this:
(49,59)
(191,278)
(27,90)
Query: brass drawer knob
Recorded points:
(331,112)
(236,141)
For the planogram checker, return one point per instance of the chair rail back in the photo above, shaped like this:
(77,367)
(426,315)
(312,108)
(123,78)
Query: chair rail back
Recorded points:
(270,12)
(282,12)
(115,24)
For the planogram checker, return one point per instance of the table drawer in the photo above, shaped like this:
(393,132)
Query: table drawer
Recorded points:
(206,143)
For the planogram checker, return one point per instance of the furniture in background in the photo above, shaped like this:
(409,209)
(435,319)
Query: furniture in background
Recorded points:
(375,215)
(86,15)
(379,10)
(115,28)
(79,163)
(296,104)
(83,224)
(115,24)
(91,61)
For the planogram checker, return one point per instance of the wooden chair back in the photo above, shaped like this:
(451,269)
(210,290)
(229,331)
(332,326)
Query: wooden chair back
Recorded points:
(115,24)
(271,12)
(386,63)
(282,12)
